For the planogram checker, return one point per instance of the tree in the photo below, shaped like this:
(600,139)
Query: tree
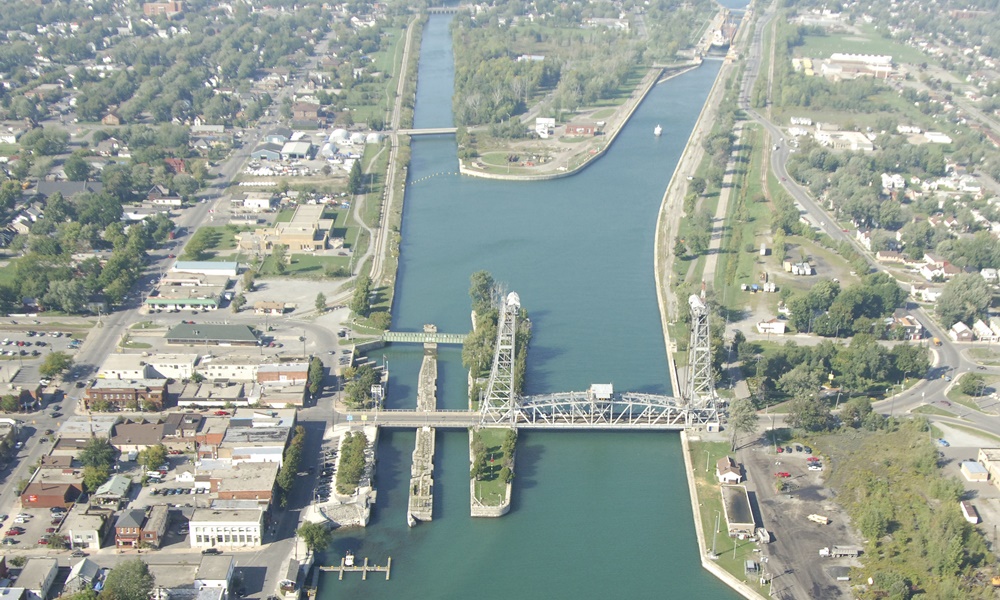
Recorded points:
(321,302)
(279,253)
(965,298)
(153,456)
(482,291)
(238,302)
(94,477)
(359,300)
(355,181)
(810,414)
(98,453)
(801,382)
(315,375)
(315,535)
(130,580)
(972,384)
(76,168)
(55,363)
(9,403)
(855,411)
(742,419)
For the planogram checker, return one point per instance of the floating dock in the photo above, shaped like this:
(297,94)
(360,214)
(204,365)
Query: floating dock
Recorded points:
(421,503)
(364,569)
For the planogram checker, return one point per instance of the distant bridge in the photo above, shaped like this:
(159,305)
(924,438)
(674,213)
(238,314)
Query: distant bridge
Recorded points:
(427,131)
(423,337)
(446,10)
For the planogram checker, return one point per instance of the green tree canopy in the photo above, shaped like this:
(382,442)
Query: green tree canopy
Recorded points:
(965,298)
(55,363)
(316,536)
(130,580)
(153,456)
(98,453)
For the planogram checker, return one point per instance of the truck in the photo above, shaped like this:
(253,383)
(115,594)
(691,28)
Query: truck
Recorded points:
(840,552)
(821,519)
(937,342)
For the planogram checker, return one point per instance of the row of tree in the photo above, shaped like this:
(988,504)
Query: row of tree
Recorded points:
(351,466)
(290,463)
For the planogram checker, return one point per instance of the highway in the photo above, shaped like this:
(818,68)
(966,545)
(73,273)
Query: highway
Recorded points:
(948,359)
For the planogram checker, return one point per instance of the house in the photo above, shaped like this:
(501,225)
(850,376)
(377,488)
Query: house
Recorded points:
(136,526)
(995,326)
(215,572)
(82,576)
(68,189)
(87,525)
(581,129)
(136,437)
(168,8)
(727,471)
(37,577)
(912,329)
(960,332)
(305,111)
(234,528)
(113,492)
(126,394)
(775,326)
(925,293)
(267,307)
(111,119)
(983,332)
(278,136)
(175,164)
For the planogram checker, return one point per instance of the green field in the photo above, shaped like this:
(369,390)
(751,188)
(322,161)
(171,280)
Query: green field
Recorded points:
(867,41)
(491,489)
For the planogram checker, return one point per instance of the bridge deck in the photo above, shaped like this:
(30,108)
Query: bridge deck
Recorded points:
(423,337)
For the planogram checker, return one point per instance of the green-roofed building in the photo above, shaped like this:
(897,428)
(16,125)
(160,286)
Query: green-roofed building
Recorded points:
(114,491)
(205,334)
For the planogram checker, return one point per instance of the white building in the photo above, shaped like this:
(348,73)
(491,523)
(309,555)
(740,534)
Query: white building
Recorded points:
(84,530)
(235,528)
(37,577)
(206,267)
(775,326)
(257,201)
(983,331)
(544,126)
(156,366)
(936,137)
(215,572)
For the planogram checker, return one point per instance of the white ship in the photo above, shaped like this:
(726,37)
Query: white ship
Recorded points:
(657,131)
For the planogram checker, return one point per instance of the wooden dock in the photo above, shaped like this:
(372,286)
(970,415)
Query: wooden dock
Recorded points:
(364,569)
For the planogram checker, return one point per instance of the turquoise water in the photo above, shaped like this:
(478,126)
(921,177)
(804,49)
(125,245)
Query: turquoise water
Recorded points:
(594,515)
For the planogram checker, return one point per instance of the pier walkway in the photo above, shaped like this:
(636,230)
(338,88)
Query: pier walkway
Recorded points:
(421,503)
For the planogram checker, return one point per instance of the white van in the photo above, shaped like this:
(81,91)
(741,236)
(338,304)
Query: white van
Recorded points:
(154,475)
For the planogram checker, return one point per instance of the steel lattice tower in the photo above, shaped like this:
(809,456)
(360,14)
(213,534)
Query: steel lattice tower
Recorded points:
(700,389)
(497,405)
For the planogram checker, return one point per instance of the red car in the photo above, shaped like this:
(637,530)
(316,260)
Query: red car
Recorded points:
(221,413)
(43,542)
(50,530)
(782,474)
(11,532)
(812,459)
(780,449)
(175,452)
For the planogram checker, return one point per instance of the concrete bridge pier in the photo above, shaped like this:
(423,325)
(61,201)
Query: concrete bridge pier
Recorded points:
(421,503)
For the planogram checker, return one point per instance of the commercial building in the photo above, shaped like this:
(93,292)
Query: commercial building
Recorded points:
(307,231)
(207,267)
(212,395)
(86,526)
(973,471)
(205,334)
(239,528)
(154,366)
(137,526)
(40,494)
(990,459)
(113,492)
(136,437)
(215,572)
(121,394)
(253,481)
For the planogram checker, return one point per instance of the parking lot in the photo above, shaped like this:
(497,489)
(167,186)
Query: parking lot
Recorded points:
(31,527)
(327,466)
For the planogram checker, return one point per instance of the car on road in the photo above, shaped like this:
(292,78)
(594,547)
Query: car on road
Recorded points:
(211,551)
(56,415)
(947,377)
(222,413)
(782,474)
(9,541)
(981,368)
(78,554)
(946,403)
(943,443)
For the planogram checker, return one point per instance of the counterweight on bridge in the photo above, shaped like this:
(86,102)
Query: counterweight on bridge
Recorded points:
(498,405)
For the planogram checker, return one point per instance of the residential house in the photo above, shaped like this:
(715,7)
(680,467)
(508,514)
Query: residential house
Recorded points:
(122,394)
(268,307)
(136,526)
(305,111)
(983,332)
(990,275)
(37,577)
(82,576)
(727,471)
(775,326)
(910,326)
(111,119)
(925,293)
(960,332)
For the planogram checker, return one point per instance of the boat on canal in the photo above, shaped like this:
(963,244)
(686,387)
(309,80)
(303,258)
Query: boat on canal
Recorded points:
(657,131)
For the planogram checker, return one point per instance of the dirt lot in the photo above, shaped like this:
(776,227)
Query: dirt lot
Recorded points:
(793,556)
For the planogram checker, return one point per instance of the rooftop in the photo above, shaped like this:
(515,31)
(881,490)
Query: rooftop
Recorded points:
(210,515)
(35,572)
(247,477)
(115,487)
(132,517)
(128,384)
(217,568)
(211,332)
(89,426)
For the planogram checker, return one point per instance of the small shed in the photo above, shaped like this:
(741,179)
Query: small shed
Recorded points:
(974,471)
(727,471)
(970,513)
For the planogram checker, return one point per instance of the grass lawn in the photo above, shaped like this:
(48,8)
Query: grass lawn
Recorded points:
(986,356)
(285,215)
(927,409)
(970,401)
(306,265)
(9,149)
(490,489)
(975,432)
(868,42)
(731,552)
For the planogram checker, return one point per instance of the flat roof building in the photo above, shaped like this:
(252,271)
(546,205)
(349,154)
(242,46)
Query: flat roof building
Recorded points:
(235,528)
(212,335)
(738,513)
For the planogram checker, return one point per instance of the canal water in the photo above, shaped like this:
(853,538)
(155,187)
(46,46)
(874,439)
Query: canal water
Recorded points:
(594,514)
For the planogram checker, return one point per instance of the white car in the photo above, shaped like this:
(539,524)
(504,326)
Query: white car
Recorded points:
(815,467)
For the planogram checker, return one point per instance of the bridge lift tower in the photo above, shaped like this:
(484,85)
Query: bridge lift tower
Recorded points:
(498,405)
(699,392)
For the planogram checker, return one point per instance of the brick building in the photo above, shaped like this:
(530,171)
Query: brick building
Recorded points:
(123,394)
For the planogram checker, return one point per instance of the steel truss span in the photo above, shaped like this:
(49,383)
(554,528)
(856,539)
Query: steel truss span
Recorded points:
(580,410)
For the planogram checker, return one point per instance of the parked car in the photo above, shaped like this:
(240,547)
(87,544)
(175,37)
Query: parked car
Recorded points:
(782,474)
(815,467)
(807,450)
(788,449)
(43,542)
(78,554)
(943,442)
(211,551)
